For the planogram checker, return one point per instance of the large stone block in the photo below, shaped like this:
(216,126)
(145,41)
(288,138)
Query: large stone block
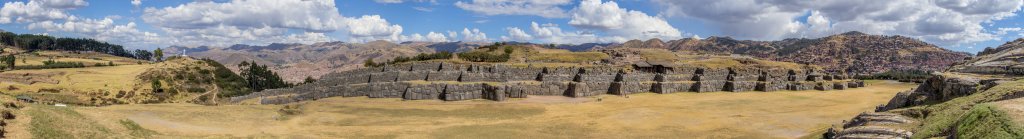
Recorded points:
(595,77)
(550,89)
(637,77)
(355,79)
(839,86)
(823,86)
(412,75)
(481,77)
(356,90)
(390,76)
(599,70)
(578,89)
(802,85)
(740,86)
(743,77)
(706,74)
(797,75)
(771,86)
(674,77)
(710,86)
(424,91)
(672,87)
(625,88)
(494,92)
(815,77)
(455,92)
(517,90)
(443,75)
(599,87)
(386,90)
(522,74)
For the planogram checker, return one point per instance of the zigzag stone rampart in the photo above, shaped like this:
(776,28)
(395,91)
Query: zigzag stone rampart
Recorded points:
(453,82)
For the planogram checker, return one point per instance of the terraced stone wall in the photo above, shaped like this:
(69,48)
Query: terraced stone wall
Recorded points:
(453,82)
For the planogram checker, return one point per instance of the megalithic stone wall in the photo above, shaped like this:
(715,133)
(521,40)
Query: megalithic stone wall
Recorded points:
(453,82)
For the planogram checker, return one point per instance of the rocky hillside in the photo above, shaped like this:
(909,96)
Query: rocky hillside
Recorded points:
(1005,59)
(853,52)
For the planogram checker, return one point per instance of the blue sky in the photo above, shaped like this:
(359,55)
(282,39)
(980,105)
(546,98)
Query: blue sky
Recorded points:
(962,25)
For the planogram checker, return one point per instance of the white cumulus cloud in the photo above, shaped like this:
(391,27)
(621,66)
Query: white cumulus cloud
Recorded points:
(38,10)
(543,8)
(620,24)
(473,35)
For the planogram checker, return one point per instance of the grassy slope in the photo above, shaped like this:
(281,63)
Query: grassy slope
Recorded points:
(944,115)
(81,85)
(986,121)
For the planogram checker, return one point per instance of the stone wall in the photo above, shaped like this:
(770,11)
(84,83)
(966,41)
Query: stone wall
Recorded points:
(453,82)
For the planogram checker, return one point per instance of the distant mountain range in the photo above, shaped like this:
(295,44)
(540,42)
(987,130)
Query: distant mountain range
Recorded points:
(853,52)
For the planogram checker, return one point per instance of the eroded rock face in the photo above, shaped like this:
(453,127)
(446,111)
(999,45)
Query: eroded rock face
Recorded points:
(939,88)
(453,82)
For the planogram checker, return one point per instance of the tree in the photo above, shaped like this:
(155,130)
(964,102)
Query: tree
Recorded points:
(7,61)
(259,77)
(156,86)
(309,79)
(158,54)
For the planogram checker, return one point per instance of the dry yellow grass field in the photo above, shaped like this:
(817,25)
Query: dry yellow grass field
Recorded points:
(678,115)
(87,58)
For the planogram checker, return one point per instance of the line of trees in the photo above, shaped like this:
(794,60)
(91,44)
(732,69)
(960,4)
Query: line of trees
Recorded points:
(230,84)
(403,59)
(31,42)
(260,78)
(488,55)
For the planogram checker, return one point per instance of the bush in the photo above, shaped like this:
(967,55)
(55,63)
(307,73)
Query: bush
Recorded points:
(484,57)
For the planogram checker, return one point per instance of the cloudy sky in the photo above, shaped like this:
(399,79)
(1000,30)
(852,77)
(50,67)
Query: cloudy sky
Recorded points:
(963,25)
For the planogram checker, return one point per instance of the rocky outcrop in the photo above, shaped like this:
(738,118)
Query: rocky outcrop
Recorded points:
(453,82)
(871,126)
(937,89)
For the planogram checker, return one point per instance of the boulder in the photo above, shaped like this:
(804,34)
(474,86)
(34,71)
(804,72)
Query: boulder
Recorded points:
(443,75)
